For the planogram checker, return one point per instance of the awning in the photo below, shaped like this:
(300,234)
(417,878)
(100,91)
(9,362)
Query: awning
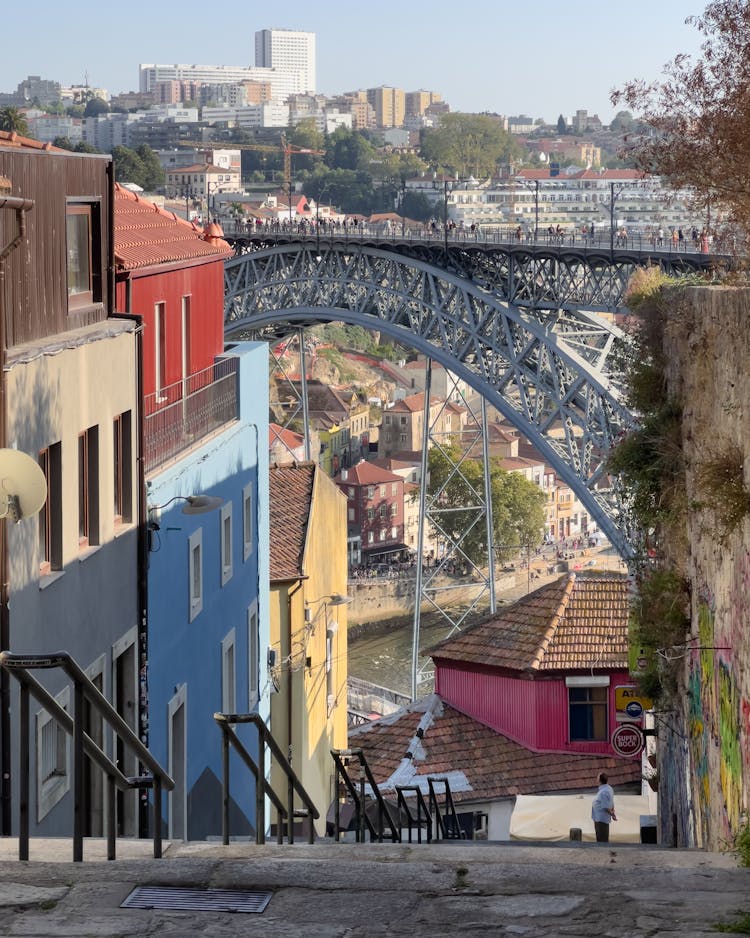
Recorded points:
(551,817)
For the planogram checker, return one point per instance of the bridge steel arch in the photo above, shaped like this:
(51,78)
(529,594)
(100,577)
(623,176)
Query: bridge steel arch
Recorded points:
(546,371)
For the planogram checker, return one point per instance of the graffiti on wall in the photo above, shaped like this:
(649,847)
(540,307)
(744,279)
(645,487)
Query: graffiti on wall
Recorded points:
(717,725)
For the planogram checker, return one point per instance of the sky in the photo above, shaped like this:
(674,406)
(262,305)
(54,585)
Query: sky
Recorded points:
(541,58)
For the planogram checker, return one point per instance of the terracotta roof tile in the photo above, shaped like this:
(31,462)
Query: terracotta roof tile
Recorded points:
(490,765)
(565,625)
(290,498)
(12,139)
(367,473)
(146,235)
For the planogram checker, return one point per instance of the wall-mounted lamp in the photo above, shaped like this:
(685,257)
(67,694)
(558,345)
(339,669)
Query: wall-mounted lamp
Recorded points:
(332,599)
(194,505)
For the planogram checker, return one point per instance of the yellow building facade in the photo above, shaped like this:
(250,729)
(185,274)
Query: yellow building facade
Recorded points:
(308,628)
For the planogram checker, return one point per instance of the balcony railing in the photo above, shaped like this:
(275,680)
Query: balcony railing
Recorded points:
(180,415)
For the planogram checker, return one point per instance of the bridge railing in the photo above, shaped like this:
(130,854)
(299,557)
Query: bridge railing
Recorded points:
(602,239)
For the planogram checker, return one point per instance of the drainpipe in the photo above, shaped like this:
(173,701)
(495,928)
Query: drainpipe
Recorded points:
(20,206)
(289,720)
(142,546)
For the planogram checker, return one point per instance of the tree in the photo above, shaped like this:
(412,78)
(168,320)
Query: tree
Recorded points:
(698,116)
(13,121)
(517,505)
(139,166)
(152,172)
(349,149)
(306,134)
(95,107)
(469,144)
(562,127)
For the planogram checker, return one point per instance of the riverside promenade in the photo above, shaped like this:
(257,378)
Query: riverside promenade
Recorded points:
(330,890)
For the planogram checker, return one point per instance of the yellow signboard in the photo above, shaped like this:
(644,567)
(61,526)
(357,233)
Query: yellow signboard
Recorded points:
(629,704)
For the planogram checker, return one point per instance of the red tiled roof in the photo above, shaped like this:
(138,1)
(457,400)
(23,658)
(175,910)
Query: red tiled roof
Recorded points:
(367,473)
(480,763)
(579,621)
(290,499)
(412,403)
(284,435)
(146,235)
(12,139)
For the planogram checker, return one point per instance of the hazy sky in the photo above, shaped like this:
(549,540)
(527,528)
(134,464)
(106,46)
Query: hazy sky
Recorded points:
(541,57)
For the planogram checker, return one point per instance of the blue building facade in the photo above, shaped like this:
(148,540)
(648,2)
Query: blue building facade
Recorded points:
(208,599)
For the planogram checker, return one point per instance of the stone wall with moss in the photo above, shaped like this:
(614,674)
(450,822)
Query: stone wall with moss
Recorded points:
(704,731)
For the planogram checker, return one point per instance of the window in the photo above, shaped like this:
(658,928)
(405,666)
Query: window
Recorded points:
(247,521)
(160,349)
(371,491)
(383,534)
(383,512)
(370,537)
(228,675)
(253,663)
(394,488)
(88,488)
(352,514)
(195,574)
(83,245)
(383,490)
(122,458)
(52,758)
(50,517)
(330,683)
(394,533)
(394,510)
(587,708)
(370,514)
(226,543)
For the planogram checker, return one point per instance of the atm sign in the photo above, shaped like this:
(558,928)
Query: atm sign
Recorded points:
(630,705)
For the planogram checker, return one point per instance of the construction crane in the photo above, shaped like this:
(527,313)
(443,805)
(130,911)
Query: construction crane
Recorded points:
(288,149)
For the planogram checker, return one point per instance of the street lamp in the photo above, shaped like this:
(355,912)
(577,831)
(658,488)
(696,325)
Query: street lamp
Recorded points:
(445,215)
(525,184)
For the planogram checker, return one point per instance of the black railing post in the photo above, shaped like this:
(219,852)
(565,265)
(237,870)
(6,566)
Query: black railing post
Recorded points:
(157,789)
(260,795)
(225,786)
(290,810)
(23,780)
(361,808)
(111,817)
(78,787)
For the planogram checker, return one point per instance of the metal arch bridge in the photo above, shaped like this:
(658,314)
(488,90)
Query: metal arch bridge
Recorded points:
(542,360)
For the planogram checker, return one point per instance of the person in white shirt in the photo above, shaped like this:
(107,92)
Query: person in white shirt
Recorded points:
(603,809)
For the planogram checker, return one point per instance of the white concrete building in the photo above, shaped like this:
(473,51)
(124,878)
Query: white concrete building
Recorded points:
(287,50)
(283,83)
(255,115)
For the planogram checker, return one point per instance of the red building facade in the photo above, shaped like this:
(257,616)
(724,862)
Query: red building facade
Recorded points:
(375,508)
(544,672)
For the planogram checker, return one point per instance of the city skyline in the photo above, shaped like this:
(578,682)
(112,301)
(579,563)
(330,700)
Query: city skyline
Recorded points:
(486,59)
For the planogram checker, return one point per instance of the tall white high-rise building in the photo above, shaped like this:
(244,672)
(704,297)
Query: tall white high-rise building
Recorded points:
(287,50)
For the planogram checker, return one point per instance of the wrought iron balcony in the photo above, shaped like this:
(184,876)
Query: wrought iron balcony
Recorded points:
(181,414)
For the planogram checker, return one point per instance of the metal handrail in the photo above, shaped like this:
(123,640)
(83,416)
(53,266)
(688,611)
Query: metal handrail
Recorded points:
(262,785)
(452,830)
(83,691)
(603,240)
(358,797)
(403,805)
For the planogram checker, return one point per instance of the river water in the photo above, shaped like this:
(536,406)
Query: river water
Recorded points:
(382,652)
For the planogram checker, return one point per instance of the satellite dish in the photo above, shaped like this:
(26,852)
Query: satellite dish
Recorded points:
(23,486)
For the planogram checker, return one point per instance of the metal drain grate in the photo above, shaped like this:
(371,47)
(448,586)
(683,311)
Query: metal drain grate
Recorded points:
(196,900)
